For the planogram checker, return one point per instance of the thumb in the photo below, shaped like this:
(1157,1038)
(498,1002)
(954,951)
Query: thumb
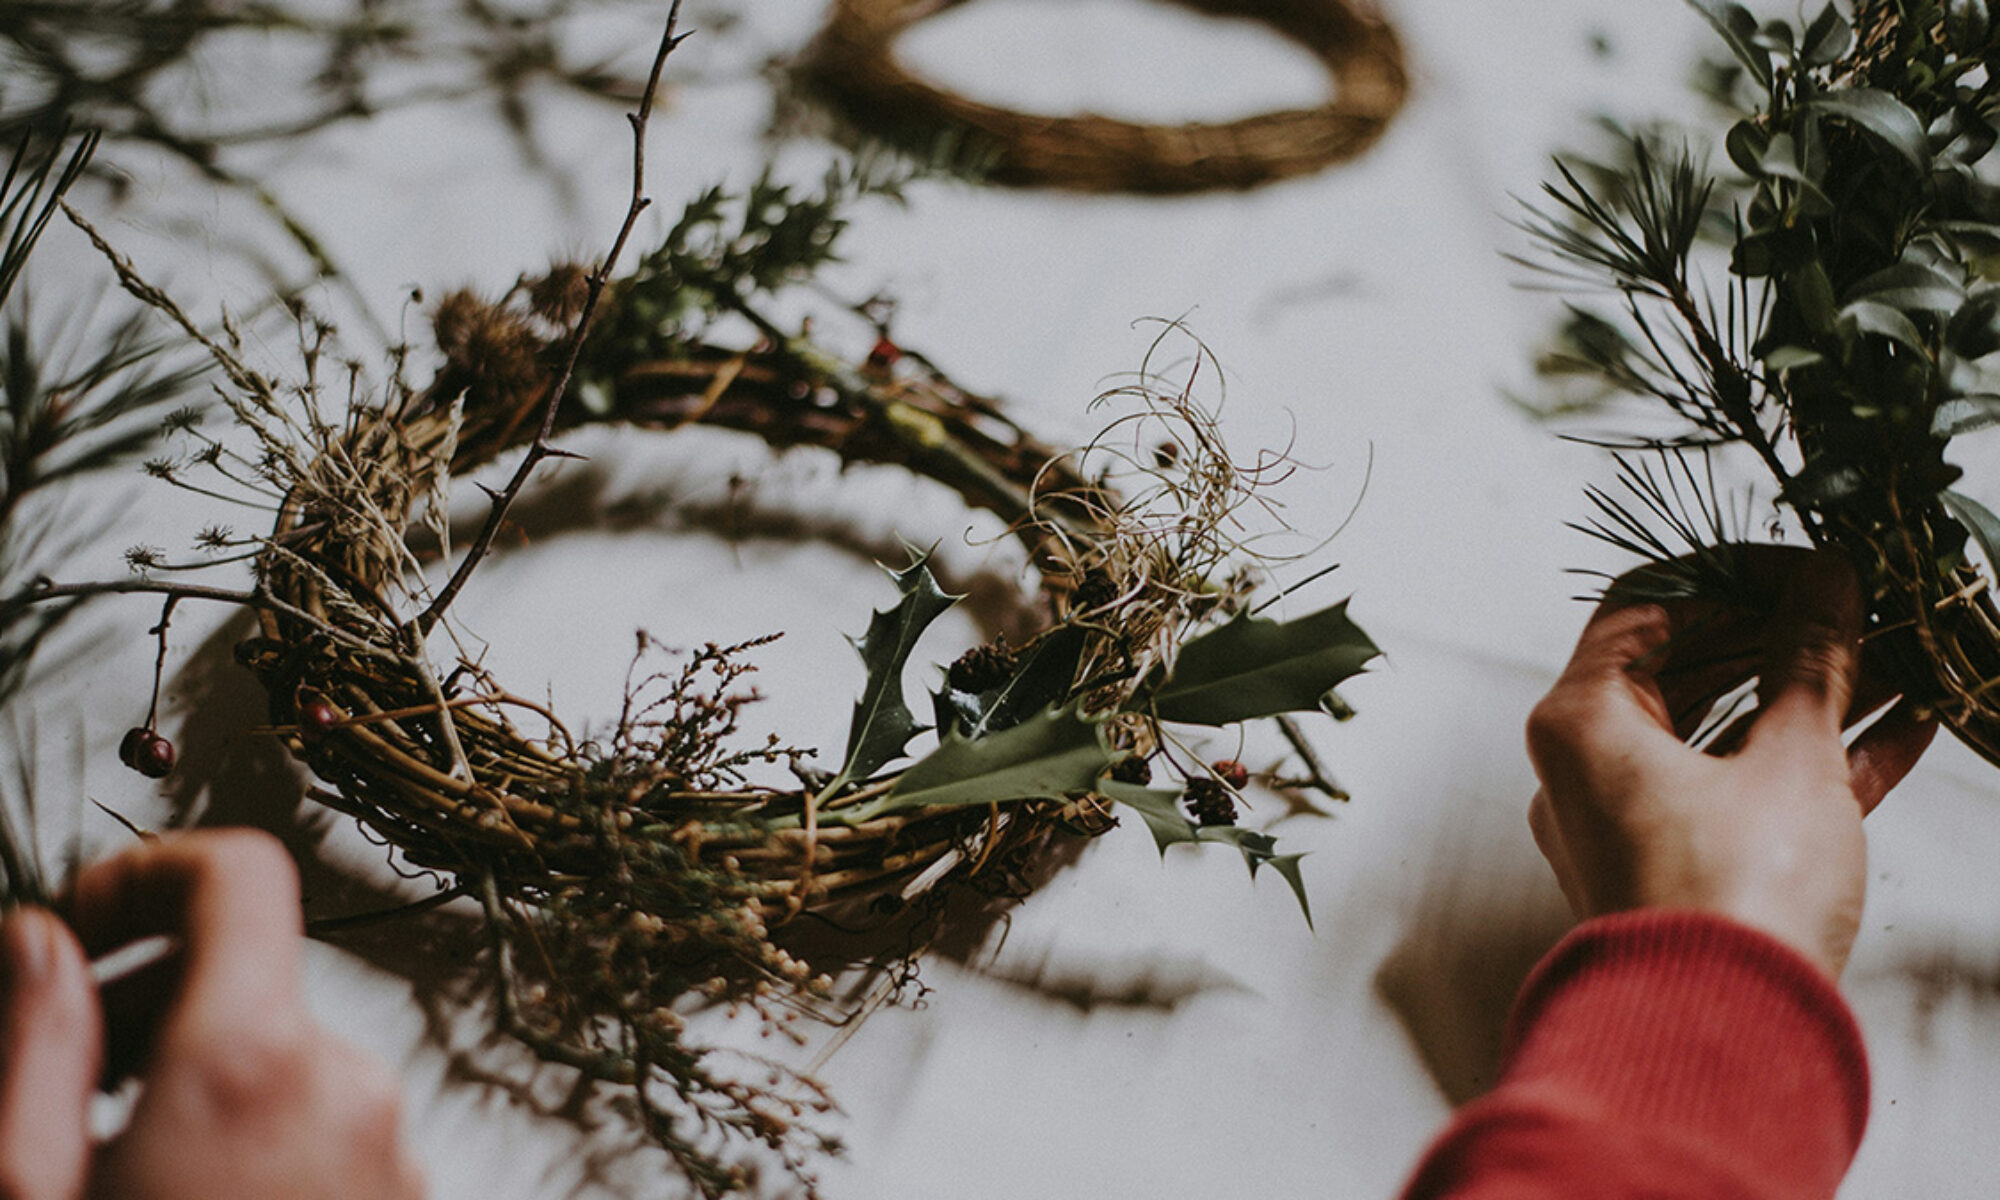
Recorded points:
(51,1041)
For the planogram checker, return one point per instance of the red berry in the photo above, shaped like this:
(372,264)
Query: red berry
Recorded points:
(317,716)
(146,752)
(885,354)
(1231,772)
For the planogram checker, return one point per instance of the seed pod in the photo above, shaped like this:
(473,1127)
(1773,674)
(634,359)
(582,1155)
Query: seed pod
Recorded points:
(1133,768)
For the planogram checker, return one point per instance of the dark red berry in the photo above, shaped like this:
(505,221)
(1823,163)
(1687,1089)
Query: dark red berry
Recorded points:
(317,716)
(146,752)
(885,354)
(1231,772)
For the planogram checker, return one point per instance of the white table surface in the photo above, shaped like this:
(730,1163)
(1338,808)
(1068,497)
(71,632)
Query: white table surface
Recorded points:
(1363,312)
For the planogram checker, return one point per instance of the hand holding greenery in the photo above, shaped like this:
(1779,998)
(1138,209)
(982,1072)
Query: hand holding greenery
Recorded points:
(1853,340)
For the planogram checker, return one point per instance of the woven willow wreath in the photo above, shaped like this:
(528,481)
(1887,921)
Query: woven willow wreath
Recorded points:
(622,872)
(853,67)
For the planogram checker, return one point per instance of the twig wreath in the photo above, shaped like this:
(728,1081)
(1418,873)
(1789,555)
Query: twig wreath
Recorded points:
(853,68)
(627,876)
(1854,341)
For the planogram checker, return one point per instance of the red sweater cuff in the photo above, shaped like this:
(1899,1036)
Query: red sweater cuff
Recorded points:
(1660,1045)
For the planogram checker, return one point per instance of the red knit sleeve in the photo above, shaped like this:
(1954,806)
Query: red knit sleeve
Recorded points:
(1664,1054)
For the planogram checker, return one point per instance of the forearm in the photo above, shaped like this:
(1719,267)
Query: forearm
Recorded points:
(1664,1052)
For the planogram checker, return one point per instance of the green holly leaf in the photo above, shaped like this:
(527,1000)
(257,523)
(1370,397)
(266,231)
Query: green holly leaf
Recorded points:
(1160,808)
(883,723)
(1054,753)
(1254,668)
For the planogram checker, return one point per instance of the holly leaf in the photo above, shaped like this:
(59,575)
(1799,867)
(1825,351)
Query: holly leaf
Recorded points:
(1043,678)
(1254,668)
(883,723)
(1260,850)
(1160,808)
(1048,756)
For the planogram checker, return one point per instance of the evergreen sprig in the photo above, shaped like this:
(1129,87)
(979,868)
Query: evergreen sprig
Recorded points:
(1855,337)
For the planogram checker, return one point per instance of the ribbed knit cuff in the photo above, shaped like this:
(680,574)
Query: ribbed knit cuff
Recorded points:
(1703,1031)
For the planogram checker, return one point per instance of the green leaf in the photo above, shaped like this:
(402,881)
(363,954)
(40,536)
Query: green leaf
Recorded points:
(1812,291)
(1260,850)
(1978,520)
(1746,144)
(1159,808)
(1882,115)
(883,723)
(1974,331)
(1786,358)
(1910,286)
(1964,414)
(1823,482)
(1870,316)
(1046,673)
(1055,753)
(1161,811)
(1827,38)
(1253,668)
(1739,29)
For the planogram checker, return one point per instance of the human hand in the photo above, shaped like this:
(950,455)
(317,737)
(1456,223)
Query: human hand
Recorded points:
(244,1096)
(1763,827)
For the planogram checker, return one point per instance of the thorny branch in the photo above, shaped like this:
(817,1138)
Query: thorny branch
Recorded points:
(558,387)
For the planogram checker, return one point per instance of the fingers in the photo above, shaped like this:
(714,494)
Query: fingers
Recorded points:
(1807,680)
(50,1043)
(1886,751)
(232,896)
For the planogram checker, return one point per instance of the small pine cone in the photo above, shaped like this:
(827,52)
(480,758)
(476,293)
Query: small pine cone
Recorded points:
(1133,768)
(1096,590)
(983,668)
(1210,802)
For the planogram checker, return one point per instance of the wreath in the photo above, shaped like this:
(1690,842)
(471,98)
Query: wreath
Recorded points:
(629,875)
(852,67)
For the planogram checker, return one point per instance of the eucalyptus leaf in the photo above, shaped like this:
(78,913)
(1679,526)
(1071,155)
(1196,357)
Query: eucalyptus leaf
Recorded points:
(883,724)
(1978,521)
(1870,316)
(1965,414)
(1910,286)
(1974,331)
(1786,358)
(1882,115)
(1739,29)
(1055,753)
(1254,668)
(1826,39)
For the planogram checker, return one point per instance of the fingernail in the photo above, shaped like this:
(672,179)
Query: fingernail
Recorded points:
(30,952)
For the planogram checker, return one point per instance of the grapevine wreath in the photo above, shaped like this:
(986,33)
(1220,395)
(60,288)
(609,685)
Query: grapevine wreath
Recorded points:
(852,67)
(628,875)
(1852,345)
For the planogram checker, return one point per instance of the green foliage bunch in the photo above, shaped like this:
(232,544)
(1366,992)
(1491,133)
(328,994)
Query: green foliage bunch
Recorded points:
(1855,336)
